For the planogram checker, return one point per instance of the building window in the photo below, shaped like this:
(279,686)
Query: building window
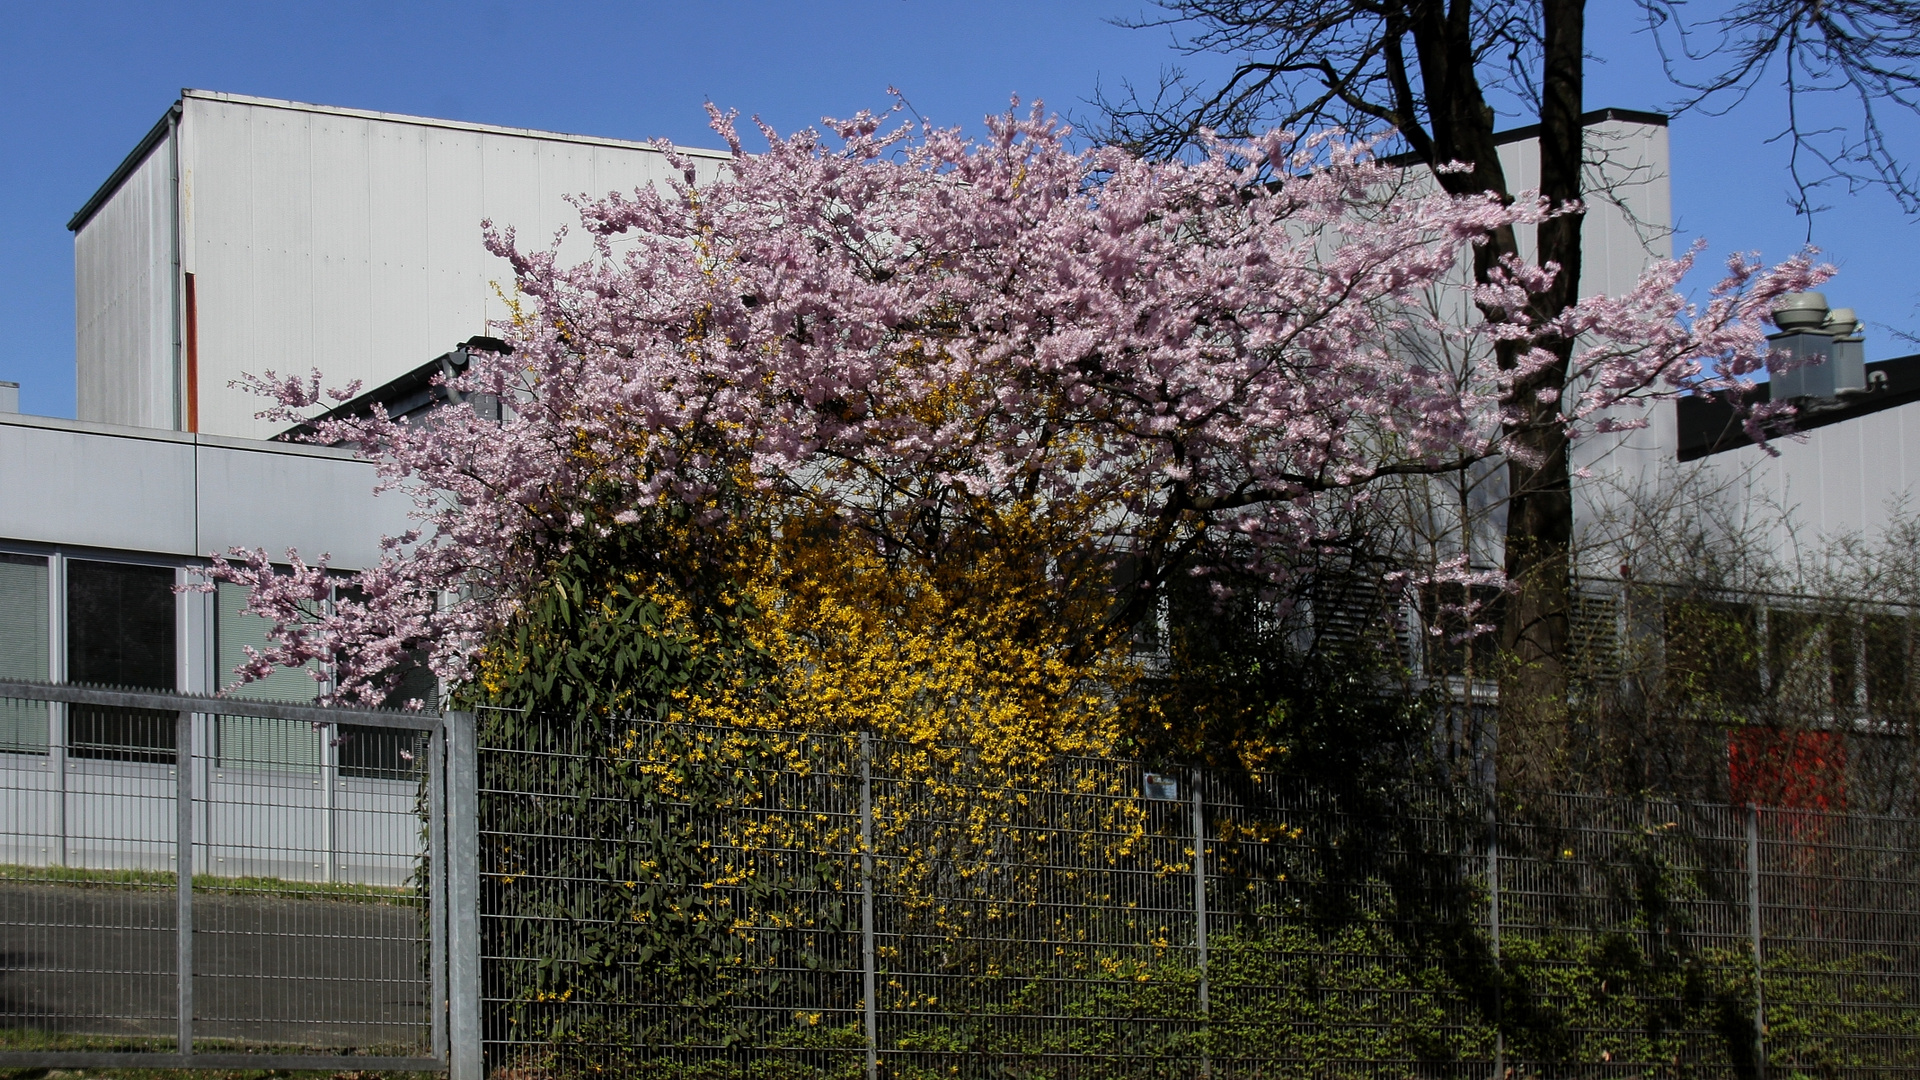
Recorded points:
(391,753)
(1454,609)
(377,753)
(259,742)
(1812,661)
(1889,664)
(120,633)
(1713,653)
(23,650)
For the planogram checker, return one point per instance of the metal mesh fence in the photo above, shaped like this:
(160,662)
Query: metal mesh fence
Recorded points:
(305,927)
(681,901)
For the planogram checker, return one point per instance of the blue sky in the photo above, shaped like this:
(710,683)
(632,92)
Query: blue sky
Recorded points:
(83,81)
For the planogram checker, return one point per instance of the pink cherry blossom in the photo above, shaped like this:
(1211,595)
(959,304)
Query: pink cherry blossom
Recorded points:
(898,324)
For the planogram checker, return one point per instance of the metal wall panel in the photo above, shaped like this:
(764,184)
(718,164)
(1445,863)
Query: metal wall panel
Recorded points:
(167,493)
(251,497)
(397,239)
(64,485)
(1629,214)
(453,211)
(1624,232)
(351,241)
(339,275)
(1845,479)
(124,301)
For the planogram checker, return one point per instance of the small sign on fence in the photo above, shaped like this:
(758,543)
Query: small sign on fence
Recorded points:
(1158,786)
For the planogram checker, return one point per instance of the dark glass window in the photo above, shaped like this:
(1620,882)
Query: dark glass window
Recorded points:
(1444,606)
(1713,652)
(120,632)
(381,753)
(1812,660)
(1890,646)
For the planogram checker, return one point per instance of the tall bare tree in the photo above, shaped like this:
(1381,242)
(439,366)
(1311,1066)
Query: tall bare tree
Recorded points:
(1429,71)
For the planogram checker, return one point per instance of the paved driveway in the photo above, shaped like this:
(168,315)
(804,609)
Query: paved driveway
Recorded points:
(313,973)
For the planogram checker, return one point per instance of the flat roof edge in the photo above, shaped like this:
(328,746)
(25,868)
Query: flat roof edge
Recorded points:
(1532,131)
(1587,120)
(183,438)
(455,125)
(134,159)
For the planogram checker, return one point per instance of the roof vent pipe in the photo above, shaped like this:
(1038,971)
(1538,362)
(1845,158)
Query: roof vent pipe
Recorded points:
(9,397)
(1849,356)
(1819,353)
(1801,311)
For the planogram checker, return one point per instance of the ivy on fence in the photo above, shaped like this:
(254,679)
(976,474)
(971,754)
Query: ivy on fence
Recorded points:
(688,901)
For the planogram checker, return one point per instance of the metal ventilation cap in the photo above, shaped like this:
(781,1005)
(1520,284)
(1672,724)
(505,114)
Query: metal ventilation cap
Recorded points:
(1841,321)
(481,343)
(1800,311)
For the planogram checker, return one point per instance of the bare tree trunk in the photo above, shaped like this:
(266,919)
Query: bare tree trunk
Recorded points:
(1354,51)
(1535,627)
(1535,632)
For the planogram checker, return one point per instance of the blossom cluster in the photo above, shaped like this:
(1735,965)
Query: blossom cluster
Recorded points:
(903,328)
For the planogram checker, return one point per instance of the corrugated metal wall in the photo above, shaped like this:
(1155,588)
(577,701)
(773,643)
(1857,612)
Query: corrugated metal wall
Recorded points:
(124,301)
(1629,218)
(1845,478)
(351,241)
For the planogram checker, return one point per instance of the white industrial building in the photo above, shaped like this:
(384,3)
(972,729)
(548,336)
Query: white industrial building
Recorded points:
(244,235)
(99,525)
(1858,452)
(241,235)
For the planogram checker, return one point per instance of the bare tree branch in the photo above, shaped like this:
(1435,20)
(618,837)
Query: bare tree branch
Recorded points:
(1865,52)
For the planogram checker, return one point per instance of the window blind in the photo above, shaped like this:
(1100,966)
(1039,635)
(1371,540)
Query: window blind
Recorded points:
(258,742)
(23,650)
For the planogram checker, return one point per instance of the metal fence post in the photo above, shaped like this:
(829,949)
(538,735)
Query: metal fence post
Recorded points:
(1493,937)
(1753,926)
(329,800)
(183,874)
(437,887)
(868,961)
(465,1060)
(57,761)
(1200,919)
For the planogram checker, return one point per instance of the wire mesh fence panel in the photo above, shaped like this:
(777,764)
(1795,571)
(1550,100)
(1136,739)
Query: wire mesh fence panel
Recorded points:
(87,891)
(306,927)
(651,892)
(1030,917)
(310,907)
(1624,936)
(1343,932)
(1840,938)
(680,901)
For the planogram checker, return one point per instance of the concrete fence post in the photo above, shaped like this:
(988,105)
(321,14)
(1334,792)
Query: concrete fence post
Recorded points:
(1493,941)
(1200,920)
(437,886)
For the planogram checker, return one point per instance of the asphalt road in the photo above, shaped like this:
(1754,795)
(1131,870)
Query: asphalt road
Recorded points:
(312,973)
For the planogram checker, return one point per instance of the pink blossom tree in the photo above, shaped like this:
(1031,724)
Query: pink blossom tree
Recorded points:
(904,330)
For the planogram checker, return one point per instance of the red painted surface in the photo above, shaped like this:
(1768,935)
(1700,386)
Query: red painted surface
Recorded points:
(1793,770)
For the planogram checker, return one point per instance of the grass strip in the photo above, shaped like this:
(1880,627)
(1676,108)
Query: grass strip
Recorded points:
(277,888)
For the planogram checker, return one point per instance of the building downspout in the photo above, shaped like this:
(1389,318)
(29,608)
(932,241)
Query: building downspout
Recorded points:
(180,390)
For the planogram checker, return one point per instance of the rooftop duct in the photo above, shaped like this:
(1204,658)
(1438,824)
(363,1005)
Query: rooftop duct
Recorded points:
(1819,352)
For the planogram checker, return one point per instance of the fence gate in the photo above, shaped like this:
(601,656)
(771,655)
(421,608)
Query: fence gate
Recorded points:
(199,882)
